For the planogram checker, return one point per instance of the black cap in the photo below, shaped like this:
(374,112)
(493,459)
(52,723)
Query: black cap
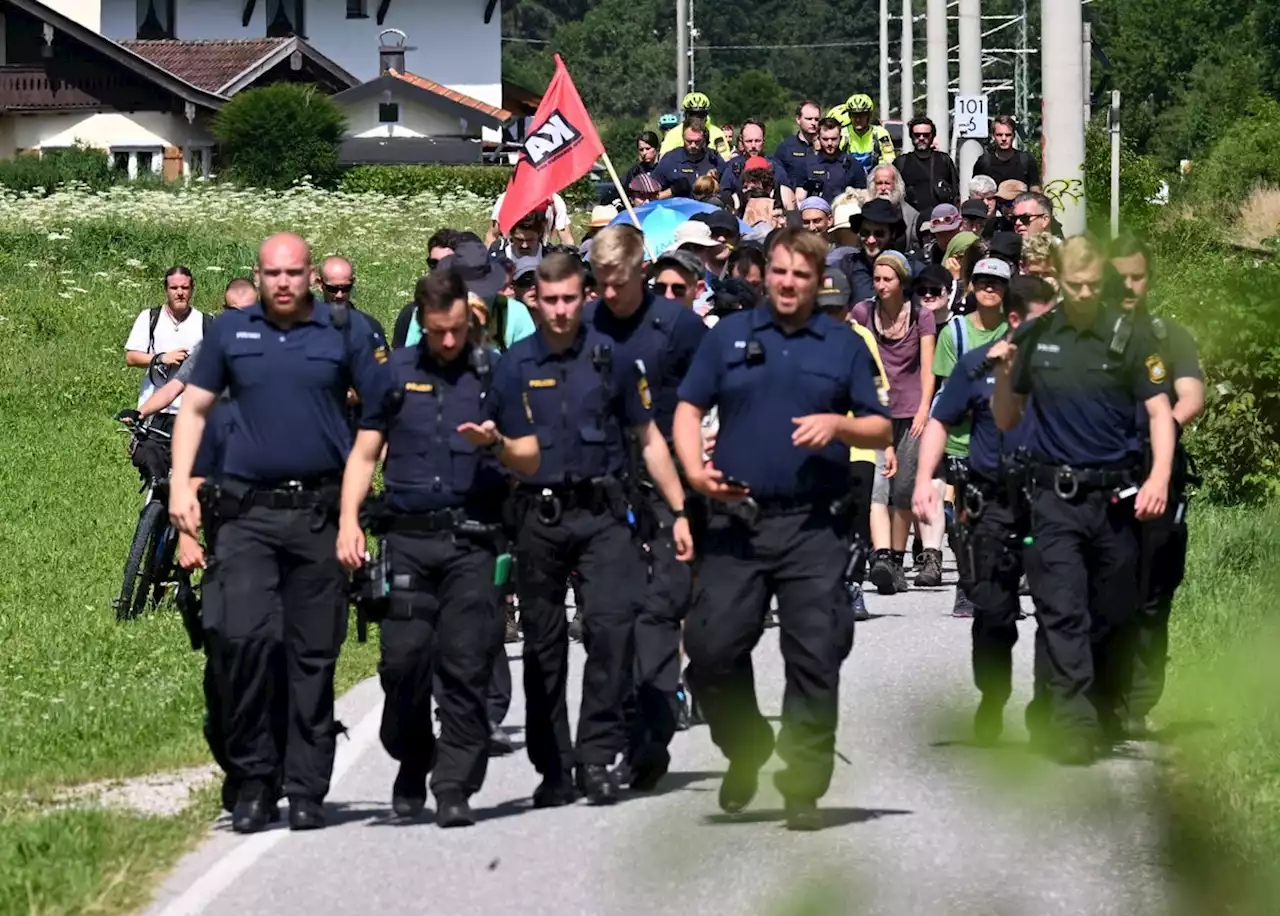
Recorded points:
(933,275)
(479,270)
(973,209)
(1007,246)
(719,221)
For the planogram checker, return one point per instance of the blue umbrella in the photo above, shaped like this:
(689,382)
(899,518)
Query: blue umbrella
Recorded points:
(659,220)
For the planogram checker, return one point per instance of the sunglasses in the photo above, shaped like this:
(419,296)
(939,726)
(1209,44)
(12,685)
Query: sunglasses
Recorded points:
(922,136)
(932,292)
(1026,219)
(338,287)
(675,290)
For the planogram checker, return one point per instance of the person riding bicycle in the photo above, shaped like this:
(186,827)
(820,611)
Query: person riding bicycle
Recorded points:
(696,104)
(869,142)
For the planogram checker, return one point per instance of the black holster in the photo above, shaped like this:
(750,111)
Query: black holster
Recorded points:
(189,606)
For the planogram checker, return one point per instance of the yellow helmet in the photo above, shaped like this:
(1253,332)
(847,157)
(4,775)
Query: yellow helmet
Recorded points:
(696,101)
(860,104)
(840,113)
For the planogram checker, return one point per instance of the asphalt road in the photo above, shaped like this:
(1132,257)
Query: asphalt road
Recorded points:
(919,821)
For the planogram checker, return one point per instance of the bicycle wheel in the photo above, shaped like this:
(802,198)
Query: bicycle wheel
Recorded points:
(162,570)
(136,566)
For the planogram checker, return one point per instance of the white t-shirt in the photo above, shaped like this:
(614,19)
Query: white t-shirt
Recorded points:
(557,215)
(170,335)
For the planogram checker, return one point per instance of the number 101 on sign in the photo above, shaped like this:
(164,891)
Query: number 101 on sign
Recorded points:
(971,116)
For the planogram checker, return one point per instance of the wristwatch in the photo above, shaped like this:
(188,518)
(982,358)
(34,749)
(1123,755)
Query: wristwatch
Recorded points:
(679,513)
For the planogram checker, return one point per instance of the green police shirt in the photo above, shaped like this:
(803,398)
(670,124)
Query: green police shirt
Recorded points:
(948,354)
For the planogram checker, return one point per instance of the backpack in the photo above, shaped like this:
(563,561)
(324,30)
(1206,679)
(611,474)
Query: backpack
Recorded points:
(154,319)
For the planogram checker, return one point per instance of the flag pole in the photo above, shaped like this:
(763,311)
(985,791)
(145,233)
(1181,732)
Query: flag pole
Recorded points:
(626,201)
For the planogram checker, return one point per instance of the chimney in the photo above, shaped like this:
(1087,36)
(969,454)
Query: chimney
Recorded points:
(391,50)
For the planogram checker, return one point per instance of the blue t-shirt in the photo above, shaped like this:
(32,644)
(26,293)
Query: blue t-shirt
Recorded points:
(519,325)
(964,396)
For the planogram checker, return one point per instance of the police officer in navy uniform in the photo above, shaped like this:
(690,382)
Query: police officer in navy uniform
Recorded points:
(994,501)
(1083,372)
(680,168)
(282,612)
(572,515)
(660,335)
(1164,540)
(447,434)
(827,170)
(795,390)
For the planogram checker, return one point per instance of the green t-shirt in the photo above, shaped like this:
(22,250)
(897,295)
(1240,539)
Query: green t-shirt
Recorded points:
(944,361)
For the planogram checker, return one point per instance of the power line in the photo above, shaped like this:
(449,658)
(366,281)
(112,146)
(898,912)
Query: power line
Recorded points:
(528,41)
(830,44)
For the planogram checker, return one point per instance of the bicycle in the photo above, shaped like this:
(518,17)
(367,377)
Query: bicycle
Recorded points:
(149,566)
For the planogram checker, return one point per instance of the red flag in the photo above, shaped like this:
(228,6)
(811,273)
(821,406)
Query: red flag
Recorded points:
(561,147)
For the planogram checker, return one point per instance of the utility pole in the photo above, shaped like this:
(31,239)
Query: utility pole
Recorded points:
(1113,118)
(908,65)
(939,72)
(1061,37)
(884,60)
(971,76)
(1086,67)
(682,50)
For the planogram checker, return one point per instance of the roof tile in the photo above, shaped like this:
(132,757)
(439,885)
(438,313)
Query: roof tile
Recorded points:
(452,95)
(208,65)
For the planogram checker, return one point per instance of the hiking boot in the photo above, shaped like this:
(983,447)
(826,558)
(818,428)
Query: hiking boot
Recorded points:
(899,576)
(881,574)
(684,711)
(930,566)
(857,602)
(963,606)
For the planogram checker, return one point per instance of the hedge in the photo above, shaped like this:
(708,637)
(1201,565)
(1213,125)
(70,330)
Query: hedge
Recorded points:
(487,181)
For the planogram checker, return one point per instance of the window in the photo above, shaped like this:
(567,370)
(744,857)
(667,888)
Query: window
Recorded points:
(284,19)
(135,160)
(357,9)
(146,159)
(120,162)
(155,19)
(388,112)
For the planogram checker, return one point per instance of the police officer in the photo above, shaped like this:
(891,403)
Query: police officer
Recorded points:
(993,501)
(794,390)
(443,427)
(1084,372)
(572,515)
(753,145)
(827,170)
(661,335)
(1164,540)
(679,169)
(282,611)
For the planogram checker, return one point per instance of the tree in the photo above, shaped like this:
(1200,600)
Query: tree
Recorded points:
(274,136)
(752,93)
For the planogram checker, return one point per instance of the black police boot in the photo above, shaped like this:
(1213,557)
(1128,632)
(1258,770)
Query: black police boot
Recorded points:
(499,741)
(739,785)
(409,794)
(881,574)
(305,813)
(555,792)
(230,793)
(802,815)
(988,721)
(1073,750)
(254,809)
(452,810)
(648,767)
(597,784)
(929,574)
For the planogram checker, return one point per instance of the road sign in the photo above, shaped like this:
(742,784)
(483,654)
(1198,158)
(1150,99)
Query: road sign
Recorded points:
(971,117)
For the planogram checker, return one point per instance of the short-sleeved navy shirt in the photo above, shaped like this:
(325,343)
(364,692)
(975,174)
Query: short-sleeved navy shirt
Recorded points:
(729,172)
(1084,398)
(290,388)
(791,154)
(834,174)
(581,401)
(429,465)
(1181,359)
(677,165)
(967,393)
(661,339)
(823,368)
(213,443)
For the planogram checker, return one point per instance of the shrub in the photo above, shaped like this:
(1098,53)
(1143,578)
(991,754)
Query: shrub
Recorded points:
(1140,178)
(275,136)
(1243,158)
(86,165)
(485,181)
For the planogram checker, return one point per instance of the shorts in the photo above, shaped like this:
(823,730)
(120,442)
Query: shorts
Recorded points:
(896,492)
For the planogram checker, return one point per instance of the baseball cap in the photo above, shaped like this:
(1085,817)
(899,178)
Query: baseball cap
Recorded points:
(525,268)
(836,290)
(721,221)
(692,233)
(602,215)
(845,214)
(479,270)
(1010,189)
(813,202)
(756,162)
(686,262)
(973,209)
(945,218)
(992,267)
(1007,245)
(644,183)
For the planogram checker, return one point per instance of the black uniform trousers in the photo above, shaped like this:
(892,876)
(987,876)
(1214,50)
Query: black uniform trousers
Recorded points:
(275,621)
(442,627)
(1083,571)
(1163,548)
(600,547)
(799,557)
(997,560)
(862,475)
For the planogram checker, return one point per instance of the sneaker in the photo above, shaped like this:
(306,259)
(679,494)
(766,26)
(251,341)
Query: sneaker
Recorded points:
(930,574)
(857,602)
(963,606)
(882,572)
(899,578)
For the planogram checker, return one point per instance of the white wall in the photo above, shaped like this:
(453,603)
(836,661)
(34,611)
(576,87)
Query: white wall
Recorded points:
(106,130)
(194,19)
(416,120)
(86,12)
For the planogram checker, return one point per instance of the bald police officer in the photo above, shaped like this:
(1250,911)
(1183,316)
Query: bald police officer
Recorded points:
(572,515)
(282,613)
(447,434)
(795,389)
(1083,373)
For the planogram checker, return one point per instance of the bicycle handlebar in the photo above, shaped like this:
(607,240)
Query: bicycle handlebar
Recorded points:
(143,429)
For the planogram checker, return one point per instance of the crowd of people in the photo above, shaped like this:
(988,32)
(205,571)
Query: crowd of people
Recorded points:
(839,363)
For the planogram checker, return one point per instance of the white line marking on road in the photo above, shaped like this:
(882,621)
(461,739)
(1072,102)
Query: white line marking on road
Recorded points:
(205,889)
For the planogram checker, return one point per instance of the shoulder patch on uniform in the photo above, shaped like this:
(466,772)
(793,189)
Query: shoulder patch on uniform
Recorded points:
(542,383)
(380,355)
(425,387)
(645,398)
(1155,369)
